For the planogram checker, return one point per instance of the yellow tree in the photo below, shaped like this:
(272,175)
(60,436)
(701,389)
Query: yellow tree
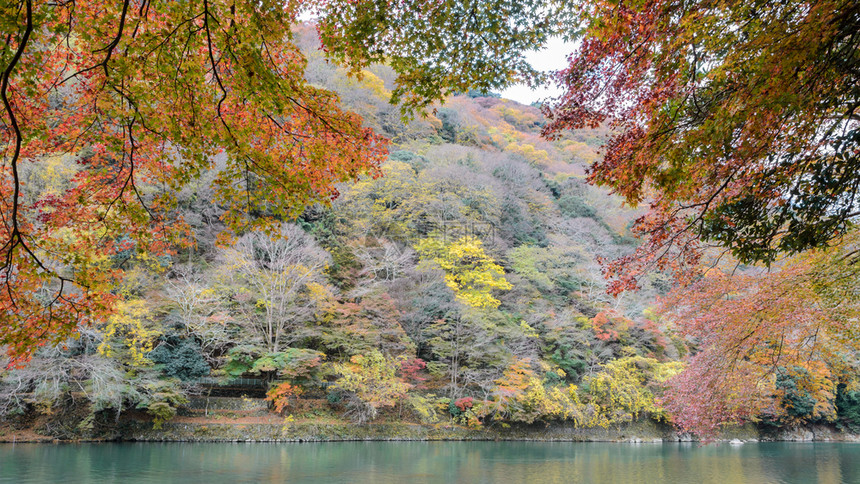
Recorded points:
(373,383)
(469,271)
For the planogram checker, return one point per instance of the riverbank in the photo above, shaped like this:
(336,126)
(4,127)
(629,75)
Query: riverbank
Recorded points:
(249,420)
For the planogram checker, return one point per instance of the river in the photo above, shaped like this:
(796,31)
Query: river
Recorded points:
(430,462)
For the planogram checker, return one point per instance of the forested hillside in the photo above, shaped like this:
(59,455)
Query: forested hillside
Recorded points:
(460,283)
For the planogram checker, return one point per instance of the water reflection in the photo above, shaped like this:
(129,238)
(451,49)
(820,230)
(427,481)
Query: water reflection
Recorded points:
(430,462)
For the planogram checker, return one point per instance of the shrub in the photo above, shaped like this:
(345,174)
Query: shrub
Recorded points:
(280,395)
(626,387)
(334,397)
(180,358)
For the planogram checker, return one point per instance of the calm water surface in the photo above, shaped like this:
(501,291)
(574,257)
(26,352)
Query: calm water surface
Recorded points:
(420,462)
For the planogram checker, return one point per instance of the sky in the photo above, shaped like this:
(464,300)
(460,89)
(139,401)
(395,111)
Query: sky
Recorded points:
(552,58)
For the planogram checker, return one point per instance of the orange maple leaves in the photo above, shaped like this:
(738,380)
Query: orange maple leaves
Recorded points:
(140,98)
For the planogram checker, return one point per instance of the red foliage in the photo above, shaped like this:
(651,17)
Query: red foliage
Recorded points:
(748,326)
(464,403)
(606,325)
(705,132)
(412,369)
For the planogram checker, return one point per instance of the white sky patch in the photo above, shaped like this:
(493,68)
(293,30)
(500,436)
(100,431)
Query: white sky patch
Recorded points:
(553,57)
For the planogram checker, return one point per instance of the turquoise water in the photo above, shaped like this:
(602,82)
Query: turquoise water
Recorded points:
(430,462)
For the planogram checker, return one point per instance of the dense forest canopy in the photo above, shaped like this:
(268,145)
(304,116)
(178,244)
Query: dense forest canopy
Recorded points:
(737,123)
(145,95)
(195,188)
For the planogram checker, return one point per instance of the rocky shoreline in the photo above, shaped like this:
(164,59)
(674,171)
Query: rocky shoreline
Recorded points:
(248,420)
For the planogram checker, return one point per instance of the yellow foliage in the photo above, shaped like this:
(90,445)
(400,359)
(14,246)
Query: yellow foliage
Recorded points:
(504,136)
(580,151)
(815,379)
(373,378)
(53,175)
(469,271)
(129,323)
(402,205)
(367,80)
(521,396)
(623,390)
(321,294)
(375,84)
(528,331)
(516,117)
(530,153)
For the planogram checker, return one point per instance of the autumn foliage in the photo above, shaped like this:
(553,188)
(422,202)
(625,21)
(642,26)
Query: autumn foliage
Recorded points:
(736,125)
(734,122)
(146,96)
(280,395)
(753,329)
(169,170)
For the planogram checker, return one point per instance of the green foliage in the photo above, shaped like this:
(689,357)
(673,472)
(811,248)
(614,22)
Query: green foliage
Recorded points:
(240,360)
(293,363)
(798,402)
(550,269)
(439,49)
(473,93)
(566,357)
(298,363)
(417,161)
(450,124)
(269,363)
(573,206)
(179,358)
(161,402)
(322,222)
(803,396)
(521,226)
(848,408)
(454,410)
(334,397)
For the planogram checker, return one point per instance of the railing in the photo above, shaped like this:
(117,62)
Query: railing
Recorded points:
(233,382)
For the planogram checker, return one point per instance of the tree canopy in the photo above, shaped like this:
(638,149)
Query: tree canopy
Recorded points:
(441,48)
(134,130)
(736,121)
(146,96)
